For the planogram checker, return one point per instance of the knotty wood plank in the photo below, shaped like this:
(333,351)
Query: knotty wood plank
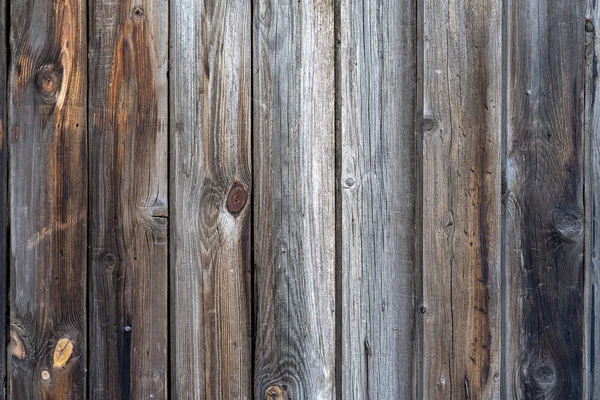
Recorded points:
(544,206)
(294,220)
(211,293)
(378,90)
(461,199)
(128,177)
(3,199)
(48,199)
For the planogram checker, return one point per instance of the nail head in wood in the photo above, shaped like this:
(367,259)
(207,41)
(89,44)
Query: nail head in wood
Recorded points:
(237,197)
(45,375)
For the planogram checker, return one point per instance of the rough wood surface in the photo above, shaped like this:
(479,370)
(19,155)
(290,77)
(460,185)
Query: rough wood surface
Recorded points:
(377,94)
(4,251)
(294,221)
(128,199)
(545,224)
(211,290)
(461,199)
(48,197)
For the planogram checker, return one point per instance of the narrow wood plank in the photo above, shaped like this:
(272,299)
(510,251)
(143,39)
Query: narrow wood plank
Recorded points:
(4,243)
(377,93)
(544,208)
(461,198)
(48,199)
(210,230)
(592,204)
(294,210)
(128,177)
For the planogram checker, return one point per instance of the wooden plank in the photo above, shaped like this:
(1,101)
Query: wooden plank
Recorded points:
(48,199)
(128,206)
(211,293)
(461,199)
(4,243)
(544,207)
(378,166)
(592,204)
(294,209)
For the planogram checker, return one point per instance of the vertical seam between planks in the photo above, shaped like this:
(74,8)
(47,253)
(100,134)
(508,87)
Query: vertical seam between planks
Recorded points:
(503,200)
(168,125)
(6,228)
(253,290)
(89,250)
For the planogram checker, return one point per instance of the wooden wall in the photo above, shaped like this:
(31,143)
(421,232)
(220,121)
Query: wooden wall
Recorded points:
(299,199)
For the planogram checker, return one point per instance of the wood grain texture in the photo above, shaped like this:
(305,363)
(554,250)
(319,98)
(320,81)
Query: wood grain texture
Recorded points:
(378,166)
(461,199)
(294,208)
(48,197)
(4,243)
(544,206)
(128,131)
(211,290)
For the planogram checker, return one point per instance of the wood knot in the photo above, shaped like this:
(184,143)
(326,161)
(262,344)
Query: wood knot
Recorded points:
(48,80)
(275,393)
(138,13)
(237,197)
(589,26)
(62,353)
(541,375)
(17,349)
(430,124)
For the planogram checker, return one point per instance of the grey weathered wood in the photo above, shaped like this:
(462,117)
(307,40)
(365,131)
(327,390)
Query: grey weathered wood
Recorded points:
(3,199)
(128,199)
(377,94)
(48,199)
(544,205)
(294,221)
(461,199)
(211,291)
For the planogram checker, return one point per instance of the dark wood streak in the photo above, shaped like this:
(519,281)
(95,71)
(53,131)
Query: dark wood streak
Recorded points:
(48,201)
(545,205)
(4,244)
(129,214)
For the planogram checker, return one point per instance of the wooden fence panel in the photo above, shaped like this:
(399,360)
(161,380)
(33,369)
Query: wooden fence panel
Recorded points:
(48,199)
(294,210)
(128,170)
(377,96)
(461,198)
(211,290)
(545,222)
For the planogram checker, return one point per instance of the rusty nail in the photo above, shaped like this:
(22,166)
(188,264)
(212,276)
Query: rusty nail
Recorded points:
(237,197)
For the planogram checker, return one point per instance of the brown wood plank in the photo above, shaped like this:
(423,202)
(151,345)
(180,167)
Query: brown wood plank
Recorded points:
(4,243)
(461,199)
(128,199)
(211,291)
(294,208)
(48,199)
(544,205)
(377,56)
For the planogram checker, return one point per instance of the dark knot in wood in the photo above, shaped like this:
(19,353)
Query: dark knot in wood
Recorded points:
(237,197)
(275,393)
(47,81)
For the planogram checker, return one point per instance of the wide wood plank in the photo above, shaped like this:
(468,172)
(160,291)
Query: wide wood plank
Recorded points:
(544,205)
(211,290)
(48,199)
(3,197)
(377,98)
(129,216)
(461,199)
(294,221)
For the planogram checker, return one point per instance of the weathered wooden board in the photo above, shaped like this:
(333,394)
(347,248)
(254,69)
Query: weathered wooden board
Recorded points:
(3,199)
(377,57)
(461,199)
(211,290)
(48,199)
(128,131)
(544,204)
(294,210)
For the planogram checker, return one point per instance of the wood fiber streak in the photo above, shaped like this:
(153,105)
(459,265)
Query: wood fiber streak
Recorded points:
(377,94)
(294,208)
(48,197)
(461,199)
(211,290)
(544,203)
(128,199)
(4,251)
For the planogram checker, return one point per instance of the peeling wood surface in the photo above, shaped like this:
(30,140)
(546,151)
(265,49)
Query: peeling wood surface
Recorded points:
(211,188)
(128,131)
